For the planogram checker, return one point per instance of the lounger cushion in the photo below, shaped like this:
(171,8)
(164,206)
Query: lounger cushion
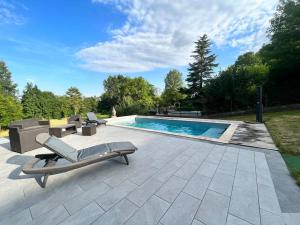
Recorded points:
(62,149)
(121,146)
(102,149)
(92,151)
(91,116)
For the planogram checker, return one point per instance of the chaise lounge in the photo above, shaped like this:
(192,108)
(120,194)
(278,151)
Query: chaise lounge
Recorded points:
(77,159)
(91,118)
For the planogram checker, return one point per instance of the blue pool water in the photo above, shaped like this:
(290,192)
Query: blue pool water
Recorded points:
(212,130)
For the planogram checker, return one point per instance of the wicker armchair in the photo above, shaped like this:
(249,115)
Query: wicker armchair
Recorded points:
(75,120)
(22,134)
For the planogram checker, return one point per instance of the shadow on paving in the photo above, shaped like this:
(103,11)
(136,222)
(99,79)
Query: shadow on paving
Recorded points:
(253,135)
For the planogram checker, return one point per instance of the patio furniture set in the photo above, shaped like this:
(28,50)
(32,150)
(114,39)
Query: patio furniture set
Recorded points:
(22,133)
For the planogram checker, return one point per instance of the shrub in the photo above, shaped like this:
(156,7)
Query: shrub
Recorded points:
(10,110)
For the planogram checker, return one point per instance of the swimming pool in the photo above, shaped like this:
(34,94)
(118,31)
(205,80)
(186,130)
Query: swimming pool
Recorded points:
(190,128)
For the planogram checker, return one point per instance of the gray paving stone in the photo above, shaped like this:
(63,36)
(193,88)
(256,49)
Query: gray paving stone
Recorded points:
(196,222)
(180,160)
(207,169)
(222,183)
(233,220)
(53,217)
(260,160)
(287,191)
(213,209)
(84,216)
(170,190)
(264,177)
(268,218)
(268,199)
(187,170)
(82,200)
(142,193)
(291,218)
(117,215)
(197,185)
(246,161)
(227,167)
(150,213)
(141,176)
(245,180)
(54,200)
(199,157)
(118,178)
(111,197)
(244,204)
(20,218)
(177,215)
(190,151)
(166,172)
(215,155)
(159,163)
(230,156)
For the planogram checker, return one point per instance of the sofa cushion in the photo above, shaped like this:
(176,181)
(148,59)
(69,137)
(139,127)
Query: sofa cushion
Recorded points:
(32,128)
(26,123)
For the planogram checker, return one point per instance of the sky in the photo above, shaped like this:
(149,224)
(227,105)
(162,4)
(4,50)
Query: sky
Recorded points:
(57,44)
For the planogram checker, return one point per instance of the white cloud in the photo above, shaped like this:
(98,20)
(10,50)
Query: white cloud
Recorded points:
(9,14)
(162,33)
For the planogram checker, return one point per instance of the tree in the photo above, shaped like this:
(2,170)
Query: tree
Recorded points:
(201,69)
(173,84)
(32,101)
(6,84)
(129,95)
(65,108)
(114,88)
(74,99)
(10,110)
(90,104)
(51,107)
(282,54)
(235,87)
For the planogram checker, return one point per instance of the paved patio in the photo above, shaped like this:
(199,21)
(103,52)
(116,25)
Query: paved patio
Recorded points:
(170,181)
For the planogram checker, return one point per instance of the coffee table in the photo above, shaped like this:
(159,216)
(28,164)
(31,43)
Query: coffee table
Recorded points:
(63,130)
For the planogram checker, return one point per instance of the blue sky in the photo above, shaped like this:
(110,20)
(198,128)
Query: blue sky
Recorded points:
(57,44)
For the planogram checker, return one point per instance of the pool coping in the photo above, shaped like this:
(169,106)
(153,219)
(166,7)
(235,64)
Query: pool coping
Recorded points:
(224,138)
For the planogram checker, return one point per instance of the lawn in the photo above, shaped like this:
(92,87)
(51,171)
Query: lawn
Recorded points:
(284,128)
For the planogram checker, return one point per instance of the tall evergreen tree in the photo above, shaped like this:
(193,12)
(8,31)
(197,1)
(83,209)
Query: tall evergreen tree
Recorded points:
(6,84)
(201,69)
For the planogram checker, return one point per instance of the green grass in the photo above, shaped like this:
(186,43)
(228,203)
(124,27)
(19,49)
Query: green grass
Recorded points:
(284,128)
(102,116)
(293,163)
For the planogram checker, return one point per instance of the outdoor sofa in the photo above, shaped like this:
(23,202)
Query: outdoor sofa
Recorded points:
(76,158)
(22,134)
(91,118)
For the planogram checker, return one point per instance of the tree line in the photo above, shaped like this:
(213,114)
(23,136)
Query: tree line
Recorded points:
(276,67)
(35,103)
